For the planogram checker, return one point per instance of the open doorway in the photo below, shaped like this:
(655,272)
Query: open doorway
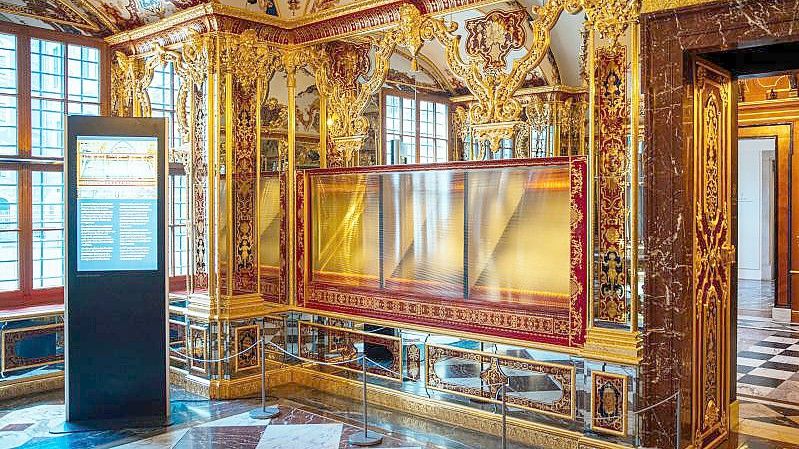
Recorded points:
(767,363)
(745,176)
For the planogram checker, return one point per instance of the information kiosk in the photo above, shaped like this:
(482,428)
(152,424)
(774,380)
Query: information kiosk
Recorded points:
(116,291)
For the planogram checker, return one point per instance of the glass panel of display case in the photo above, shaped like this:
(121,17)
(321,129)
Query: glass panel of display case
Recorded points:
(345,228)
(423,232)
(270,216)
(519,235)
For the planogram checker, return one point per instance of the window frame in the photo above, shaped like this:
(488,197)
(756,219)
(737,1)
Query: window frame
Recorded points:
(178,283)
(25,164)
(418,97)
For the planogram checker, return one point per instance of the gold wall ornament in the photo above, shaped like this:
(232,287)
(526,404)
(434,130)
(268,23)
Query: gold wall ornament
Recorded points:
(611,18)
(345,149)
(191,65)
(493,134)
(130,78)
(495,35)
(494,89)
(338,74)
(246,58)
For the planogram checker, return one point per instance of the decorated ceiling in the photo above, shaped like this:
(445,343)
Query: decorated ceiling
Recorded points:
(505,28)
(104,17)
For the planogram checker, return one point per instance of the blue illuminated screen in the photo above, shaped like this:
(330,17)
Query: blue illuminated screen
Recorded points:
(117,203)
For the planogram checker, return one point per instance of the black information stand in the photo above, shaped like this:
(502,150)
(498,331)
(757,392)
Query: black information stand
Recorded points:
(116,289)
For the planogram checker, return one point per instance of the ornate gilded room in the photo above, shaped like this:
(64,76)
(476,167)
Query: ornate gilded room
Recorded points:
(408,224)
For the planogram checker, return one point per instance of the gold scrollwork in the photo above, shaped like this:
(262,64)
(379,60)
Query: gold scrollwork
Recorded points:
(246,58)
(346,99)
(130,77)
(192,65)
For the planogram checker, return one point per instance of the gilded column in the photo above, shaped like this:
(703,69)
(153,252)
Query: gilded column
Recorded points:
(245,65)
(613,142)
(291,60)
(195,67)
(322,130)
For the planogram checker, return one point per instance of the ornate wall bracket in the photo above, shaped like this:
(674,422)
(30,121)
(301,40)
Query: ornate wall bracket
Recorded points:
(338,69)
(345,149)
(130,78)
(494,133)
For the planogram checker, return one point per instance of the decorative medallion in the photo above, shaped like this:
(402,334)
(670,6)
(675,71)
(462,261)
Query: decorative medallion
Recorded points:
(494,36)
(493,377)
(609,403)
(349,62)
(245,341)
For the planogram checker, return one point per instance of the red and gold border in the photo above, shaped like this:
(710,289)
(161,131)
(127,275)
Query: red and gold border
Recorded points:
(12,361)
(564,375)
(340,345)
(612,168)
(245,337)
(563,328)
(609,403)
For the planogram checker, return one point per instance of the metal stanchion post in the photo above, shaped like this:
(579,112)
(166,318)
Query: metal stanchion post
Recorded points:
(263,412)
(367,438)
(504,417)
(677,421)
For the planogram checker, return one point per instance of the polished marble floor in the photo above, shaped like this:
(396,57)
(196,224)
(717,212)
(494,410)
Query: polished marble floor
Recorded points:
(313,420)
(308,420)
(768,352)
(767,372)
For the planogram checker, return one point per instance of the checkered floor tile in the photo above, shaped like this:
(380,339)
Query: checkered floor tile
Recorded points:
(769,367)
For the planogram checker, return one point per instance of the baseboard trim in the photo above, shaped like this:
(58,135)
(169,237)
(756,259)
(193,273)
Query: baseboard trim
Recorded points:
(31,385)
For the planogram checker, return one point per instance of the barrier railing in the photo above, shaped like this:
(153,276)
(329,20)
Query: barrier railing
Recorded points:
(371,438)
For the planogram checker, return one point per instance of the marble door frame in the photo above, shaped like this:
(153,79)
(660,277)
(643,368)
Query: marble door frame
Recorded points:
(669,40)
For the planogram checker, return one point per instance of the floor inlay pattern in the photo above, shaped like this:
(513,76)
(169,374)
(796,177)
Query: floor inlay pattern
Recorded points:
(768,364)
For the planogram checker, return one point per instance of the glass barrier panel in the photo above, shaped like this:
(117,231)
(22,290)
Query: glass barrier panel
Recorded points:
(519,236)
(446,244)
(270,216)
(423,233)
(345,228)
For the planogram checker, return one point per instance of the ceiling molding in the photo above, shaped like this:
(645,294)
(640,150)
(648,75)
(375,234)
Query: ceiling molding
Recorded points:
(99,15)
(55,14)
(651,6)
(335,23)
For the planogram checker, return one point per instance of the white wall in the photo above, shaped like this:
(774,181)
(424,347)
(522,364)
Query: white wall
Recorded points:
(756,192)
